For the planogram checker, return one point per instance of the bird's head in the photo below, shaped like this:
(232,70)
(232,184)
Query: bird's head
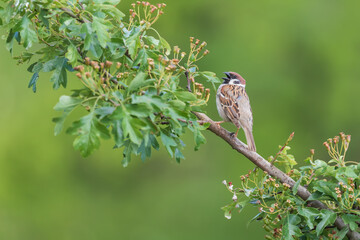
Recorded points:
(234,78)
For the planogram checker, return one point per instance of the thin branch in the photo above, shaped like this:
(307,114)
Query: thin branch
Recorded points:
(71,14)
(270,169)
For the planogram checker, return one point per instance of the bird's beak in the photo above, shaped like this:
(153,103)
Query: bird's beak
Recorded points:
(227,78)
(227,74)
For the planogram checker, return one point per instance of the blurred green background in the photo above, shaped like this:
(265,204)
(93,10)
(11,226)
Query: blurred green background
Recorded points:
(302,66)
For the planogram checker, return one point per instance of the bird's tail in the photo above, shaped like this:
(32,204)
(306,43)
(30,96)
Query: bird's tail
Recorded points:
(250,139)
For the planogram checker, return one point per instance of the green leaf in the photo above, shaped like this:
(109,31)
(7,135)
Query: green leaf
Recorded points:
(59,77)
(138,81)
(100,27)
(185,96)
(139,110)
(309,214)
(28,35)
(290,227)
(168,143)
(88,130)
(72,55)
(297,184)
(65,104)
(210,77)
(341,234)
(327,218)
(141,59)
(164,44)
(111,2)
(42,17)
(133,42)
(352,220)
(131,127)
(118,133)
(33,81)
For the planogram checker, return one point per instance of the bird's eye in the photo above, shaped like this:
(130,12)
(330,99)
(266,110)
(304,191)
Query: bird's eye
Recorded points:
(236,82)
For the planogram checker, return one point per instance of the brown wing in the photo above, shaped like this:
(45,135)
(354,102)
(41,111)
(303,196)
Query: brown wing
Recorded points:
(229,97)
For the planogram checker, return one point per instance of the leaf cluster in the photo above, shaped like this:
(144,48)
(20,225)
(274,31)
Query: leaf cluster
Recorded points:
(336,183)
(137,89)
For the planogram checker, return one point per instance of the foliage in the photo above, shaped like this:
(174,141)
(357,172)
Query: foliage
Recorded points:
(336,183)
(134,81)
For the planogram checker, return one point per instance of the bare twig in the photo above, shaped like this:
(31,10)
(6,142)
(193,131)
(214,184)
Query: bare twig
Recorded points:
(270,169)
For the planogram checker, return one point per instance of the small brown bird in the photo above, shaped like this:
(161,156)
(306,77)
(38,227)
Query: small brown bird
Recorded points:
(233,105)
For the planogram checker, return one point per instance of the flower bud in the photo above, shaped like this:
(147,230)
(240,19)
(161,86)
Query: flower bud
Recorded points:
(88,75)
(224,182)
(108,64)
(118,65)
(79,75)
(234,198)
(87,61)
(342,135)
(312,152)
(339,197)
(161,12)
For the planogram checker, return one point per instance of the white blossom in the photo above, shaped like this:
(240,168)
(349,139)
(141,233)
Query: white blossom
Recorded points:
(224,182)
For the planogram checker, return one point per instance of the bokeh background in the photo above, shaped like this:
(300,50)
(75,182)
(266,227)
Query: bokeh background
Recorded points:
(302,66)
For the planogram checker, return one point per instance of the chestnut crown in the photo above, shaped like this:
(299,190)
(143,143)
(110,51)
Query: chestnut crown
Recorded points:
(233,78)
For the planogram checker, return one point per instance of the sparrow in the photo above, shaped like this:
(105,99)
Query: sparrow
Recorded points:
(233,105)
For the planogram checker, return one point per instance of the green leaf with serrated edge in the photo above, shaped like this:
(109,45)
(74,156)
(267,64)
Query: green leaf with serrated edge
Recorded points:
(341,234)
(33,81)
(138,81)
(178,155)
(73,55)
(297,184)
(113,11)
(59,77)
(352,220)
(309,214)
(111,2)
(164,44)
(28,36)
(154,142)
(168,143)
(88,131)
(118,133)
(133,42)
(139,110)
(104,111)
(141,59)
(65,104)
(152,40)
(290,227)
(42,17)
(86,30)
(185,96)
(328,217)
(131,128)
(100,27)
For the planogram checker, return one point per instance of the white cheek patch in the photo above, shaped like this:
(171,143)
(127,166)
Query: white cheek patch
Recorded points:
(233,82)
